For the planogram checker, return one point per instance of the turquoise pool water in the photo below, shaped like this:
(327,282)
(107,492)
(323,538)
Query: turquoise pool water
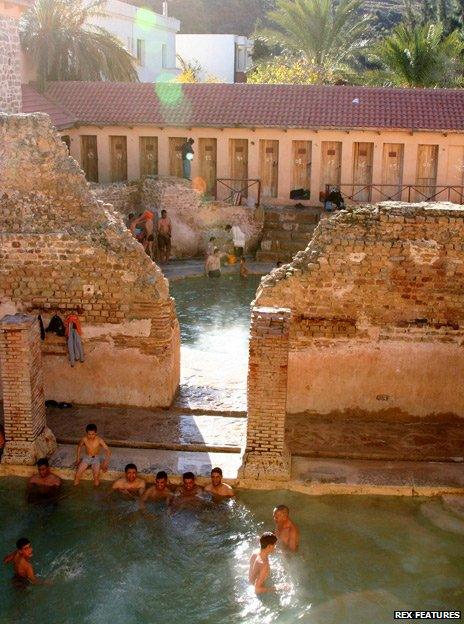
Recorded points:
(361,559)
(214,317)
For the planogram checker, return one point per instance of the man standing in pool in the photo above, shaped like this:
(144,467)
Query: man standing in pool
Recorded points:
(286,530)
(259,564)
(131,484)
(93,444)
(217,487)
(23,570)
(188,493)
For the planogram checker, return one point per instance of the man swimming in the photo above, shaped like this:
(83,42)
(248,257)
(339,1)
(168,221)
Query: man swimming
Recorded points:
(44,478)
(20,558)
(286,530)
(131,483)
(217,487)
(259,564)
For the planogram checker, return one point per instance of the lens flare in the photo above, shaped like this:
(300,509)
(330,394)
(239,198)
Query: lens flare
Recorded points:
(145,19)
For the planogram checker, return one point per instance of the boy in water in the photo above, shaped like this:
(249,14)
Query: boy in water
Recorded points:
(93,445)
(217,487)
(243,267)
(159,491)
(287,532)
(131,484)
(259,564)
(20,558)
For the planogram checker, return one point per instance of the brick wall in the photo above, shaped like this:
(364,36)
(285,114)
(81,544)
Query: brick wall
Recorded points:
(26,431)
(10,71)
(63,251)
(378,312)
(266,455)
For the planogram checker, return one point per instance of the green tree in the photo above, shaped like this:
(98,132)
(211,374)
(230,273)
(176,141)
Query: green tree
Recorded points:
(420,56)
(292,72)
(324,33)
(64,46)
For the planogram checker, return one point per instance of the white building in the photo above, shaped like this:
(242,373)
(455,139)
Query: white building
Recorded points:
(226,57)
(148,36)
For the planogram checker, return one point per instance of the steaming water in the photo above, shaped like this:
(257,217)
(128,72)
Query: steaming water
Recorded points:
(360,559)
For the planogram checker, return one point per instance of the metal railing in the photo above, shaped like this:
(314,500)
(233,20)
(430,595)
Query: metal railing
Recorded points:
(356,193)
(242,186)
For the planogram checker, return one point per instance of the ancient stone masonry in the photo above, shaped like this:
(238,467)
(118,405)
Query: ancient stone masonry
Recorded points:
(10,72)
(378,312)
(194,220)
(62,251)
(266,455)
(28,437)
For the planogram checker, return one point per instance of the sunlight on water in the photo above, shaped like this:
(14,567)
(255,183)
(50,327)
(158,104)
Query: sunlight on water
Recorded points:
(360,559)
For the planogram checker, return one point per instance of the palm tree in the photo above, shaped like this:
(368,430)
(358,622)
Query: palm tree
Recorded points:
(419,56)
(324,33)
(65,46)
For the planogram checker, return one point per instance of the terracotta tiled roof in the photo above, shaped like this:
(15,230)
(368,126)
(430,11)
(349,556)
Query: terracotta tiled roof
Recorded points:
(282,106)
(35,102)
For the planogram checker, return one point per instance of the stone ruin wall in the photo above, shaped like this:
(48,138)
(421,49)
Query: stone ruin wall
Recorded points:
(10,70)
(378,313)
(194,220)
(61,249)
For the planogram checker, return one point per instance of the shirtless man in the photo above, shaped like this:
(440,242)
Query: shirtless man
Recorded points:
(217,487)
(93,444)
(20,558)
(131,484)
(157,492)
(44,480)
(188,492)
(164,236)
(286,531)
(259,564)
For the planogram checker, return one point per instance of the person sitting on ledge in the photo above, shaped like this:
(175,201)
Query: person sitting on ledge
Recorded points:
(159,491)
(286,530)
(217,487)
(131,484)
(44,480)
(23,570)
(93,444)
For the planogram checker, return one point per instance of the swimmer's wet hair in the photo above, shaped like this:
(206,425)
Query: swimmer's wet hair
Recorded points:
(162,474)
(130,467)
(91,427)
(43,462)
(267,539)
(188,475)
(282,508)
(23,541)
(217,470)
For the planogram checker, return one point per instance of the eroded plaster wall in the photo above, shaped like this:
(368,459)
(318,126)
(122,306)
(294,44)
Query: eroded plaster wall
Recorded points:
(378,312)
(10,71)
(62,251)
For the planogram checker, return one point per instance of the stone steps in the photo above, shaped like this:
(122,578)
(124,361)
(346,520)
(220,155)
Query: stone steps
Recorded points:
(286,231)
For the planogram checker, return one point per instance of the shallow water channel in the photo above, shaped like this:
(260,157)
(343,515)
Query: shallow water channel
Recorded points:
(361,558)
(214,317)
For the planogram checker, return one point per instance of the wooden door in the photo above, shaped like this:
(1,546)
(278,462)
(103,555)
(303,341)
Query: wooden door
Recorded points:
(238,158)
(392,171)
(301,165)
(118,158)
(363,157)
(207,151)
(426,176)
(148,148)
(89,156)
(331,163)
(269,167)
(175,156)
(455,173)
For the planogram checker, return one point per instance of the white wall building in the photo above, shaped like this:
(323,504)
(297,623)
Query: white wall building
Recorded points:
(226,57)
(148,36)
